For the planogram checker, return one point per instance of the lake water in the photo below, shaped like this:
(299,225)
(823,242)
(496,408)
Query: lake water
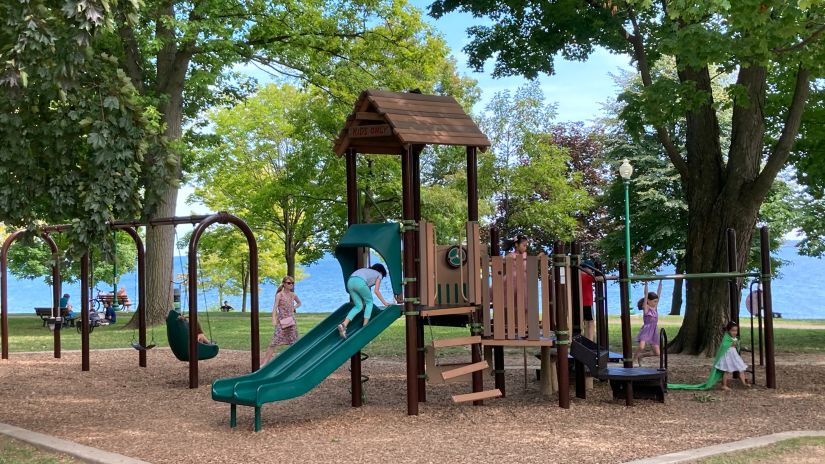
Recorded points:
(796,294)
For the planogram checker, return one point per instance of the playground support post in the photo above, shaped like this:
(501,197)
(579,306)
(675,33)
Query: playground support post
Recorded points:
(353,218)
(84,311)
(419,322)
(472,215)
(115,304)
(576,290)
(624,291)
(410,290)
(498,351)
(141,291)
(56,312)
(601,311)
(765,255)
(733,283)
(561,269)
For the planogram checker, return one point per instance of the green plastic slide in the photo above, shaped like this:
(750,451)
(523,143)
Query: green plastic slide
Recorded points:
(307,363)
(715,374)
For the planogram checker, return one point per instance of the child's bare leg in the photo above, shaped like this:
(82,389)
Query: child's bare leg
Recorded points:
(639,353)
(743,377)
(725,378)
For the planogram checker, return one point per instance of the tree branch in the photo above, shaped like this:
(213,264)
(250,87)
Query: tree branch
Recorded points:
(132,50)
(816,33)
(636,39)
(782,149)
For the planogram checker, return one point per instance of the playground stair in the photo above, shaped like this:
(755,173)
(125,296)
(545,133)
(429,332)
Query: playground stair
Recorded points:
(448,311)
(463,370)
(459,371)
(482,395)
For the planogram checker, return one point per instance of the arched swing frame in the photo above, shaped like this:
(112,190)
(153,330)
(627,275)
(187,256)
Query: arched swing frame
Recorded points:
(4,285)
(222,218)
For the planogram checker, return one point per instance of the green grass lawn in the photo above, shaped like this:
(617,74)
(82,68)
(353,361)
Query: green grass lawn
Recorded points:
(231,331)
(785,451)
(18,452)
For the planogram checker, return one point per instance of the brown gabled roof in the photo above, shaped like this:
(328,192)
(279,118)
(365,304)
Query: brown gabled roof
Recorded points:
(389,122)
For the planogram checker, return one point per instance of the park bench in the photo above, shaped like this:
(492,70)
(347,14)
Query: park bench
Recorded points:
(122,300)
(46,313)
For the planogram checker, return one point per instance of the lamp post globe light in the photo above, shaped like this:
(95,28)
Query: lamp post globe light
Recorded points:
(625,171)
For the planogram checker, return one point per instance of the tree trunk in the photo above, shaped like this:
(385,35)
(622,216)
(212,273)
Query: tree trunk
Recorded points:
(289,254)
(708,308)
(676,298)
(160,240)
(717,200)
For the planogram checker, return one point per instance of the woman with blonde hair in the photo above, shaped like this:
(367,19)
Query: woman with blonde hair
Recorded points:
(283,317)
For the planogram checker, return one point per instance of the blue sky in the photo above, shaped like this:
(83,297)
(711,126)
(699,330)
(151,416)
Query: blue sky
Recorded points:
(579,88)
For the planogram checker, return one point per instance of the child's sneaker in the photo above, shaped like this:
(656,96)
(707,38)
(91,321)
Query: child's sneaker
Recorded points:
(342,331)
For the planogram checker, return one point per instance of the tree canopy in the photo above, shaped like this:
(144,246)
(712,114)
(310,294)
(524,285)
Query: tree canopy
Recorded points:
(76,134)
(772,47)
(536,191)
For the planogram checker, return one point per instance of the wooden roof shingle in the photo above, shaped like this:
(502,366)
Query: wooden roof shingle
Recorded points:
(389,122)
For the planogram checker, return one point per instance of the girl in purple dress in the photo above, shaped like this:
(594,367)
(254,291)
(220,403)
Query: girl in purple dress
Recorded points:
(649,333)
(283,317)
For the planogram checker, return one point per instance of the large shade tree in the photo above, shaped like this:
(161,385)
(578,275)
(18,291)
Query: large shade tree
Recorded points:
(762,42)
(113,75)
(79,144)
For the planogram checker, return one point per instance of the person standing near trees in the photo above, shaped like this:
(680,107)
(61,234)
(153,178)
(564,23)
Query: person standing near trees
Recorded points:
(283,317)
(586,287)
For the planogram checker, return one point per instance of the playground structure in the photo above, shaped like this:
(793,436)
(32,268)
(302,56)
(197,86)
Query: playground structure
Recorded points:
(201,222)
(506,301)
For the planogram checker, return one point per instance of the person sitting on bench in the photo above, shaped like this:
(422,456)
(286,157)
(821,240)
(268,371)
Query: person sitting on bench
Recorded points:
(110,315)
(123,299)
(226,307)
(64,304)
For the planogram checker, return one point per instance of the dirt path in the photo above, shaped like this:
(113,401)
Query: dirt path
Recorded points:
(151,415)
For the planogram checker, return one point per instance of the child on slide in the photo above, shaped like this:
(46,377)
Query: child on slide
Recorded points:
(358,287)
(731,361)
(726,362)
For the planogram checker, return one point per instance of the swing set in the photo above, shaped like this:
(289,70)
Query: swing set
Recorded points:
(139,343)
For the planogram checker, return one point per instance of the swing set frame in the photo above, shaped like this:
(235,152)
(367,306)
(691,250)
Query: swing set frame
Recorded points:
(201,223)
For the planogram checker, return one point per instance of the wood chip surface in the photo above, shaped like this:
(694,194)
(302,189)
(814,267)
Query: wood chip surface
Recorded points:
(150,414)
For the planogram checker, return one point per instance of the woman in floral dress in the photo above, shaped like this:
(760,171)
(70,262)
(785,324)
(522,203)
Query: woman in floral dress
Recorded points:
(283,317)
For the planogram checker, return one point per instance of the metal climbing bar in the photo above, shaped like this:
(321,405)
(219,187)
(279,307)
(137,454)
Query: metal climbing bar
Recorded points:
(698,275)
